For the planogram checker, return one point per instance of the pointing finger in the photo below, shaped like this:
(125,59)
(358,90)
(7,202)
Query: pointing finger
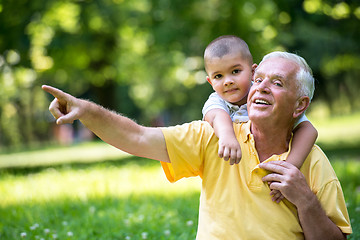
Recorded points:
(57,93)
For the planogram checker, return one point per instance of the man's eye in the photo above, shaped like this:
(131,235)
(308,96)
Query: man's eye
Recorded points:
(278,84)
(258,80)
(218,76)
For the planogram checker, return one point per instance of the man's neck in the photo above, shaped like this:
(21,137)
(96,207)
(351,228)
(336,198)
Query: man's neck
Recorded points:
(270,140)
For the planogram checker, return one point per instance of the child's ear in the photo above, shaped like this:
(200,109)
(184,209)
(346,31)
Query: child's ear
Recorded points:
(208,79)
(301,105)
(254,66)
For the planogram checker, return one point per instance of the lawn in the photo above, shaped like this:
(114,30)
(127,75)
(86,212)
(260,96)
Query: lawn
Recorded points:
(80,193)
(124,199)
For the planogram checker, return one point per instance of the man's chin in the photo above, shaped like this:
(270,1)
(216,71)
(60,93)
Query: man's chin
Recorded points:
(259,116)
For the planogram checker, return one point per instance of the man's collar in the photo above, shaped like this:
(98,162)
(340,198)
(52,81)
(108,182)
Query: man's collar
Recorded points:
(249,136)
(247,131)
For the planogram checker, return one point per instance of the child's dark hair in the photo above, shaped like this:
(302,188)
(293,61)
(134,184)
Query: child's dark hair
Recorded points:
(226,44)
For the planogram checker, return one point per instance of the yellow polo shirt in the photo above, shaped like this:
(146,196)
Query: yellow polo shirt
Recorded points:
(234,202)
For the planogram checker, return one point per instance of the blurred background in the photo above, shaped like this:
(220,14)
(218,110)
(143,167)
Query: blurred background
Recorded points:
(143,58)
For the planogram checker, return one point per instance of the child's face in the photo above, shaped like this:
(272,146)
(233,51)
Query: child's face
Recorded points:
(230,77)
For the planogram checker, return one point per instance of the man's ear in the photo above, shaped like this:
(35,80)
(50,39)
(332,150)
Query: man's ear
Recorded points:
(208,79)
(301,105)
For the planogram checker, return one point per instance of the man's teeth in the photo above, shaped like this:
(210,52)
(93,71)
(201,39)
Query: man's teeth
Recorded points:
(259,101)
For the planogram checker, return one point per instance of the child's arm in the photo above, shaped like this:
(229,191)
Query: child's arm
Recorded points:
(229,147)
(303,141)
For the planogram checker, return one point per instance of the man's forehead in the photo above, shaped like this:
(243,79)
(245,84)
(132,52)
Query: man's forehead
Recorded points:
(278,67)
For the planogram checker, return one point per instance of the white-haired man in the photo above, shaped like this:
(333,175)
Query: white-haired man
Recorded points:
(235,200)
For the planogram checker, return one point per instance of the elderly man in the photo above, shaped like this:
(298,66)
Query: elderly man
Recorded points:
(235,200)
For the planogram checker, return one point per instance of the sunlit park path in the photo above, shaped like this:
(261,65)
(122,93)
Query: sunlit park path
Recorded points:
(94,191)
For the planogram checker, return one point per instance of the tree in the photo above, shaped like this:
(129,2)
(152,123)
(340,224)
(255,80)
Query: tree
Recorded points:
(144,57)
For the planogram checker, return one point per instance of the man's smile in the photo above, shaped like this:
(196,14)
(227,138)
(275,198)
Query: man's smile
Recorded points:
(261,101)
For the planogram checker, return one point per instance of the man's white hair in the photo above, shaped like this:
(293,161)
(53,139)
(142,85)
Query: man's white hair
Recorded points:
(304,77)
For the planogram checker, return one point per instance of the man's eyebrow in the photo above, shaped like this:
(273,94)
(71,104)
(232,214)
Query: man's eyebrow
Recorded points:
(277,76)
(258,72)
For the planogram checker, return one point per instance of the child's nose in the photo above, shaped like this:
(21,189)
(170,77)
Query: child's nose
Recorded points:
(228,81)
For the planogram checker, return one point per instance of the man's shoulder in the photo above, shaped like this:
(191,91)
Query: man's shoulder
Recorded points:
(194,126)
(317,154)
(317,166)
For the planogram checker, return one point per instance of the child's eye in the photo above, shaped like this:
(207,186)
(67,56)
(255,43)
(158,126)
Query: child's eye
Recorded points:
(235,71)
(218,76)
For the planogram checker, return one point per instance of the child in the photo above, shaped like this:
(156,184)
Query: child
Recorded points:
(229,65)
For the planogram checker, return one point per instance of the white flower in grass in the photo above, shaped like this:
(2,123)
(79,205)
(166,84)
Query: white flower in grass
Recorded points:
(141,217)
(127,238)
(34,227)
(144,235)
(64,223)
(167,232)
(46,230)
(189,223)
(70,234)
(54,236)
(23,234)
(92,209)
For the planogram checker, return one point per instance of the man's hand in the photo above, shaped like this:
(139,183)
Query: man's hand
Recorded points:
(287,179)
(229,149)
(65,108)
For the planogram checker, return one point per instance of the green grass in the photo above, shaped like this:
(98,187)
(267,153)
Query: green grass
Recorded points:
(94,191)
(125,199)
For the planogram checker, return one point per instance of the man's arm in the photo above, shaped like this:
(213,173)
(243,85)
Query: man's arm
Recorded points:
(286,178)
(229,147)
(111,127)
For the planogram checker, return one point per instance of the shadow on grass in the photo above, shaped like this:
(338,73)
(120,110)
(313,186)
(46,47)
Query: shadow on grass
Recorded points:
(121,162)
(155,216)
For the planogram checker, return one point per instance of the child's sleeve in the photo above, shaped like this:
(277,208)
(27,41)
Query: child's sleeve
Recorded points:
(214,102)
(299,120)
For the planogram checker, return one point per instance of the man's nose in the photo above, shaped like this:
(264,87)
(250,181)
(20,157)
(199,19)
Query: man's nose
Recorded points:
(264,86)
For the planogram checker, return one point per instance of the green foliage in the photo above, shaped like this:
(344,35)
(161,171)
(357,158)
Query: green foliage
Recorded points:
(144,57)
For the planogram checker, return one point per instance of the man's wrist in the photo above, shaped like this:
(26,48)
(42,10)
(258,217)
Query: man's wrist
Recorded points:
(308,202)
